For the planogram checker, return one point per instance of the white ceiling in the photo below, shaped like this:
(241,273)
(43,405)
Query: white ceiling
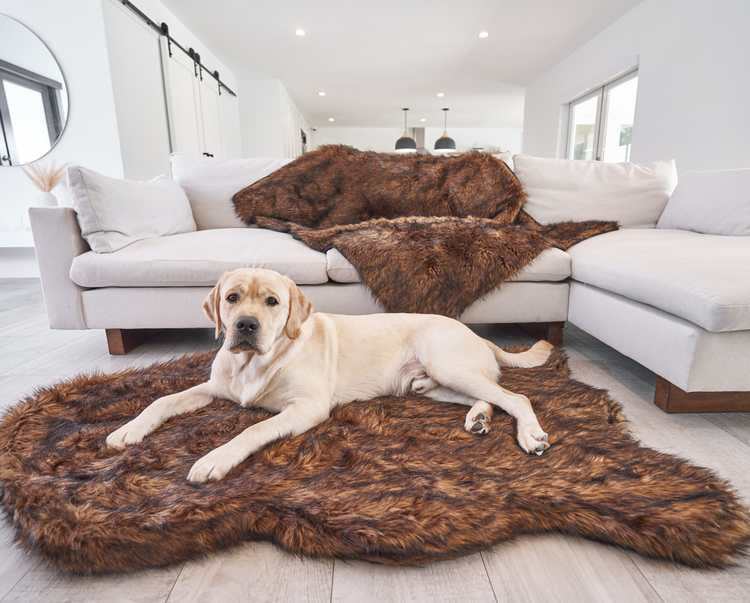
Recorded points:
(373,57)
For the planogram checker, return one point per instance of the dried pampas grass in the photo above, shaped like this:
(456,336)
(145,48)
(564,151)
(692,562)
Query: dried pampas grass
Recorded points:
(45,178)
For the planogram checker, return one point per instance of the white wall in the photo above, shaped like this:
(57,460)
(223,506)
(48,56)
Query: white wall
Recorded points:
(293,125)
(74,33)
(261,127)
(230,122)
(364,139)
(384,139)
(693,86)
(270,122)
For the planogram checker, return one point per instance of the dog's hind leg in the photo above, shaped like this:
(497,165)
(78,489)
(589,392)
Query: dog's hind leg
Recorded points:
(422,385)
(473,386)
(530,434)
(477,419)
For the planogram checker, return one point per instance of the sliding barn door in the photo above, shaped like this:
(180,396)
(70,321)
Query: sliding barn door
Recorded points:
(183,100)
(138,85)
(211,116)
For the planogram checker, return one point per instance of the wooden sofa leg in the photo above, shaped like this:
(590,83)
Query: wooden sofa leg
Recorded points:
(550,331)
(121,341)
(671,398)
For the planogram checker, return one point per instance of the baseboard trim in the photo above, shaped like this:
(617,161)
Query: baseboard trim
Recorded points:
(671,398)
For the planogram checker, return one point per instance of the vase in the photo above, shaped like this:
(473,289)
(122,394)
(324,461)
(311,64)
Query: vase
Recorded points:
(46,199)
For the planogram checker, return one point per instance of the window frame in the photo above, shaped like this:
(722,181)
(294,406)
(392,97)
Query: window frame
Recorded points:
(602,112)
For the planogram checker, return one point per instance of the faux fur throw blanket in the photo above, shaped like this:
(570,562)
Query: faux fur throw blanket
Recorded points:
(427,234)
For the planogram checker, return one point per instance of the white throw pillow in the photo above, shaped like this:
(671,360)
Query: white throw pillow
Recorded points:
(113,213)
(710,203)
(563,189)
(211,182)
(507,157)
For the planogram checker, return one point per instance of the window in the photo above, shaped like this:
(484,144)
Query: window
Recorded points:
(31,119)
(600,123)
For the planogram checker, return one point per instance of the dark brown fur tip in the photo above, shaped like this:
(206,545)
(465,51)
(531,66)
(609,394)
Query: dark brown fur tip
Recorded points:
(363,485)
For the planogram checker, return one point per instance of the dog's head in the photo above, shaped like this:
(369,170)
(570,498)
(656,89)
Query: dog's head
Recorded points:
(254,307)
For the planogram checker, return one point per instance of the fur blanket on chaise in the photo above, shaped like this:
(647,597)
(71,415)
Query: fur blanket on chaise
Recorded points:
(426,233)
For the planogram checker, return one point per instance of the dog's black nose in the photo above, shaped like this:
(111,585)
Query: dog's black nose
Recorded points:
(248,324)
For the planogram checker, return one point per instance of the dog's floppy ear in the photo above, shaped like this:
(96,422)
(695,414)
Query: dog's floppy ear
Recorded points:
(211,307)
(300,309)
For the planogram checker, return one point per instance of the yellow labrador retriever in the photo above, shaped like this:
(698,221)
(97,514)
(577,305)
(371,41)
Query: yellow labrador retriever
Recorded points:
(279,356)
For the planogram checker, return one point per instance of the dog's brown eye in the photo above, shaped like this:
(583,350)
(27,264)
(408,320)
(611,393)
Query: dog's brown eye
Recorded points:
(272,301)
(232,298)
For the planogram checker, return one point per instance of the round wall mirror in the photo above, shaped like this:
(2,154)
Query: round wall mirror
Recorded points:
(33,97)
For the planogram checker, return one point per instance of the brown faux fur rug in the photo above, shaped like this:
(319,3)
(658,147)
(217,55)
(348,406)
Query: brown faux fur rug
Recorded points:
(426,233)
(391,480)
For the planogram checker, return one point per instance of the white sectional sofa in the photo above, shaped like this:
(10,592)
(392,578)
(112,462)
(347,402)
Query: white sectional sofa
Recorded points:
(676,298)
(161,282)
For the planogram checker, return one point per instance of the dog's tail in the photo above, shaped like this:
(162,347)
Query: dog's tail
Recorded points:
(536,356)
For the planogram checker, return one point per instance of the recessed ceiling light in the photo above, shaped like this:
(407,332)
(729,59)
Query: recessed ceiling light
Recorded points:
(423,119)
(321,93)
(300,32)
(440,94)
(330,119)
(484,34)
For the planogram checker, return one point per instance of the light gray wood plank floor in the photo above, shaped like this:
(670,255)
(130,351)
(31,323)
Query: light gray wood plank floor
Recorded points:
(536,569)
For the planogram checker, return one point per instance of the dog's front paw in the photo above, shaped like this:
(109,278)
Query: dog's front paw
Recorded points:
(532,438)
(215,465)
(130,433)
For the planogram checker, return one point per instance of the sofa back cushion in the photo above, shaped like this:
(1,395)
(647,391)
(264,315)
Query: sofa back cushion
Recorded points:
(210,182)
(113,213)
(710,203)
(562,189)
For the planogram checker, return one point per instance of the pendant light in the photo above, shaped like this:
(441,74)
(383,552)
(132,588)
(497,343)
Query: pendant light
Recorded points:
(445,143)
(406,143)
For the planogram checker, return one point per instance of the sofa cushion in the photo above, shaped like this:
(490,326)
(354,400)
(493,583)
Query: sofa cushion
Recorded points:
(551,265)
(702,278)
(210,182)
(112,212)
(199,258)
(562,189)
(710,202)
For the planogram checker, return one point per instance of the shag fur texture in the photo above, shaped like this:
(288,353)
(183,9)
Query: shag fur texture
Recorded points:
(438,265)
(391,480)
(426,234)
(336,185)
